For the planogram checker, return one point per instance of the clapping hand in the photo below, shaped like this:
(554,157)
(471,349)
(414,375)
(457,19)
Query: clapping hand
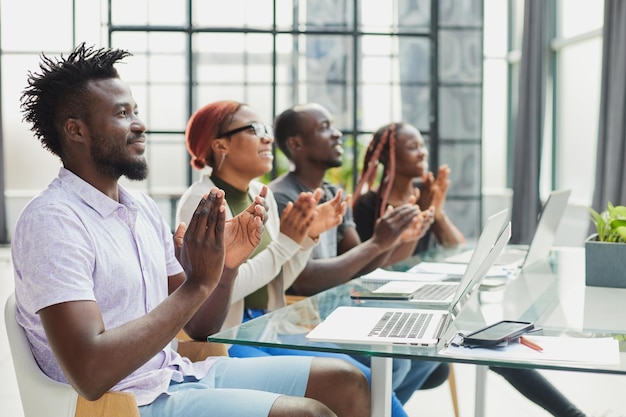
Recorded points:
(435,190)
(298,216)
(390,227)
(244,231)
(200,247)
(329,215)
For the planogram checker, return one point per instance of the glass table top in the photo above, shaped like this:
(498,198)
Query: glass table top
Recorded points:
(552,295)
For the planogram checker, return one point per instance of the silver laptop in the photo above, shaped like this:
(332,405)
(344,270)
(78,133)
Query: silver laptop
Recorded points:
(442,294)
(406,326)
(542,240)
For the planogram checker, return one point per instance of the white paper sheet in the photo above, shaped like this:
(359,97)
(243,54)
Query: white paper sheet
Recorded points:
(604,350)
(454,269)
(381,276)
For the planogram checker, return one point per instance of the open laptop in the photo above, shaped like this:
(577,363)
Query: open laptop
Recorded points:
(406,326)
(542,240)
(442,294)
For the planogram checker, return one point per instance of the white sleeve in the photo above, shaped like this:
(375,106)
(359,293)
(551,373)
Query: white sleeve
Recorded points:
(267,264)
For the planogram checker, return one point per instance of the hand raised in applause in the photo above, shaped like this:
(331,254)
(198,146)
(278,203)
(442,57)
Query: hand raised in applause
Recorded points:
(298,216)
(242,233)
(389,228)
(200,247)
(329,215)
(435,190)
(421,223)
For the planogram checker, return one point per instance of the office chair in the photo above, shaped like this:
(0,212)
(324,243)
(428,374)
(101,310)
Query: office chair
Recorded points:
(43,396)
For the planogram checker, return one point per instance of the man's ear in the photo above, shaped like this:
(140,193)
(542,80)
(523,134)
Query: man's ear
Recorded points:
(295,143)
(75,130)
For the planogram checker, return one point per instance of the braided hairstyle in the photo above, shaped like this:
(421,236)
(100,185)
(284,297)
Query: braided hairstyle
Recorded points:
(381,150)
(59,91)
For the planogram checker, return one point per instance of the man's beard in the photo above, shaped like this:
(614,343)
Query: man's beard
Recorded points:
(115,162)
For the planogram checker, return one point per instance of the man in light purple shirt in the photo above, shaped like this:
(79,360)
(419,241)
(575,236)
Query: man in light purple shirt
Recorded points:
(99,289)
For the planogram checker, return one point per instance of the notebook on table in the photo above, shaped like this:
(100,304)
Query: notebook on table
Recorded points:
(406,326)
(542,241)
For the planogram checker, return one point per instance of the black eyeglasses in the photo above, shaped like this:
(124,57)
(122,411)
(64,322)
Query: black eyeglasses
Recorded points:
(260,130)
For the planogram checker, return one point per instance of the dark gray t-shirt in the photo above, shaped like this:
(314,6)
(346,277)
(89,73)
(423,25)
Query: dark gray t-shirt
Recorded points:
(287,188)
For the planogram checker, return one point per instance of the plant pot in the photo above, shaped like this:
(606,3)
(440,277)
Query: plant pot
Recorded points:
(605,263)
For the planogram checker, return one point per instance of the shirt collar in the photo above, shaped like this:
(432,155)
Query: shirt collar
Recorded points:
(93,197)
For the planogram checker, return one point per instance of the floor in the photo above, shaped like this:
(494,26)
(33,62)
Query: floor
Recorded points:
(597,395)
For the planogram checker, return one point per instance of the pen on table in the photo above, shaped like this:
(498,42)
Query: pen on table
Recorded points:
(530,344)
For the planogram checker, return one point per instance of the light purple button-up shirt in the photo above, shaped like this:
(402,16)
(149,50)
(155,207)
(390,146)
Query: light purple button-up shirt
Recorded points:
(72,243)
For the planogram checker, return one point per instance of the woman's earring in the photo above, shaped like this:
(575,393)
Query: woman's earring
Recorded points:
(219,166)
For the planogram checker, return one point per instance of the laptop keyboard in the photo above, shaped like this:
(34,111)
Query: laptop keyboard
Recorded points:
(405,325)
(435,292)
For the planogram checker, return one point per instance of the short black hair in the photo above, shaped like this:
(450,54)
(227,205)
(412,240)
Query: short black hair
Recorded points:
(58,91)
(286,125)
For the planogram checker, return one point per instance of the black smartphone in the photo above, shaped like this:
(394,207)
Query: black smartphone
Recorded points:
(497,333)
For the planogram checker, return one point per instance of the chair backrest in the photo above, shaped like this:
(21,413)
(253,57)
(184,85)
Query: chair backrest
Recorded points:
(41,395)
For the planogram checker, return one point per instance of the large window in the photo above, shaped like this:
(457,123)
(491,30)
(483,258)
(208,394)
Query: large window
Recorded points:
(369,62)
(432,63)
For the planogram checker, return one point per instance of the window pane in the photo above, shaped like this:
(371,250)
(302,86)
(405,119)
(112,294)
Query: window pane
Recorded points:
(378,70)
(23,23)
(577,123)
(233,58)
(465,214)
(232,13)
(329,15)
(376,105)
(414,60)
(464,162)
(23,152)
(414,15)
(461,13)
(416,106)
(377,16)
(167,109)
(580,16)
(495,125)
(495,30)
(317,68)
(146,12)
(259,97)
(168,164)
(460,56)
(459,112)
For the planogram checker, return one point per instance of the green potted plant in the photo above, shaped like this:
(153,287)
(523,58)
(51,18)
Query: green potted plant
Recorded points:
(605,250)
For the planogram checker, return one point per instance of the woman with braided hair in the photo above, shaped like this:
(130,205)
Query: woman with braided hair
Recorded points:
(401,150)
